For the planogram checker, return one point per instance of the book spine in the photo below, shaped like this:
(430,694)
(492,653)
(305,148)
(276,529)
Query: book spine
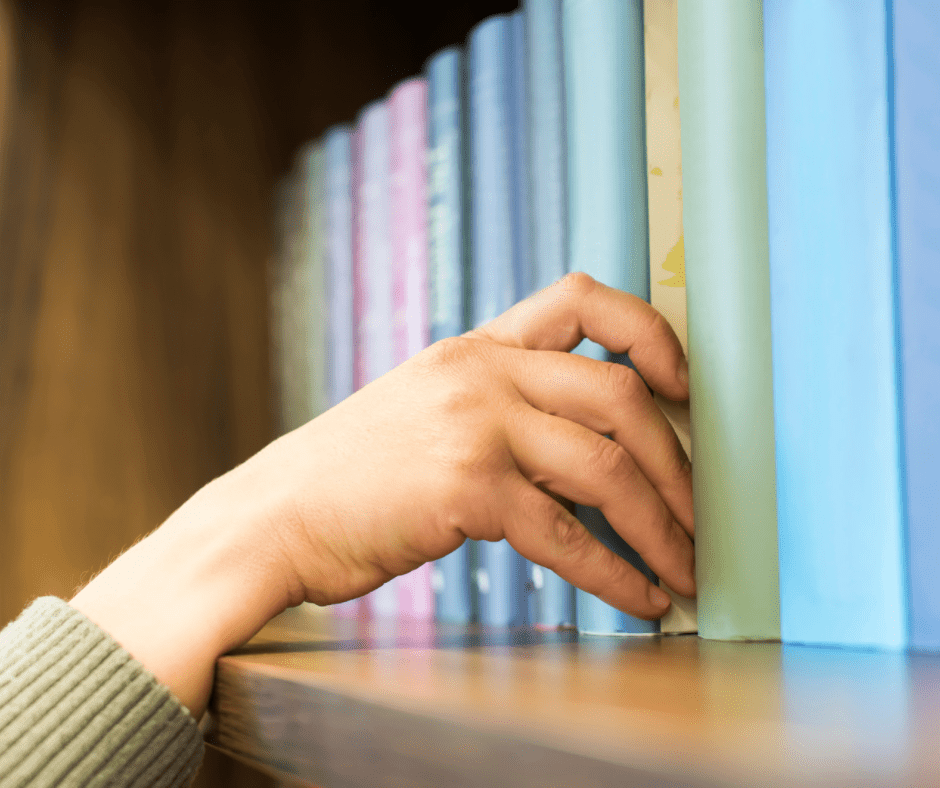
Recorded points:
(724,216)
(667,250)
(278,271)
(312,302)
(554,598)
(607,216)
(501,578)
(521,199)
(338,147)
(447,267)
(408,147)
(360,376)
(294,372)
(917,131)
(832,267)
(339,279)
(377,317)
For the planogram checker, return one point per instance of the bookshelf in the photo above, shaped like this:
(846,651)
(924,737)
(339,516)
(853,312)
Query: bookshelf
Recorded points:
(139,147)
(345,703)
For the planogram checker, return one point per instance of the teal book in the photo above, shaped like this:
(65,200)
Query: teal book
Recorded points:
(724,218)
(607,208)
(834,318)
(553,598)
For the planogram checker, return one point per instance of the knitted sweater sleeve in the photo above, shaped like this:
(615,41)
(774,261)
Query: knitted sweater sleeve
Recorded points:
(77,710)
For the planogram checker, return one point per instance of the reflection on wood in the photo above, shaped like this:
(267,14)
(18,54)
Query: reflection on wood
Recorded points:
(353,703)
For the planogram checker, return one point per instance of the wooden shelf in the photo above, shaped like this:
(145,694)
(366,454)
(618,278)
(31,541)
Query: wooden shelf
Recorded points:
(346,703)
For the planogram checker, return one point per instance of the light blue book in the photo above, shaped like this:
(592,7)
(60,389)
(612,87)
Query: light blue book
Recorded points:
(377,306)
(607,215)
(447,268)
(834,323)
(917,157)
(501,576)
(339,268)
(554,598)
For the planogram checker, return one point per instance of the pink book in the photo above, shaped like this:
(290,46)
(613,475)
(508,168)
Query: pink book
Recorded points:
(408,153)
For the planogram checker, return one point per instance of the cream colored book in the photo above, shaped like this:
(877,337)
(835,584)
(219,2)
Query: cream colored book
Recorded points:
(667,258)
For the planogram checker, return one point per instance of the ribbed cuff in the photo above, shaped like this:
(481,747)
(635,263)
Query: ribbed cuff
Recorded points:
(77,709)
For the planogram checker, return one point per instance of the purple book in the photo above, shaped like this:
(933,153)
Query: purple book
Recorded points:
(408,153)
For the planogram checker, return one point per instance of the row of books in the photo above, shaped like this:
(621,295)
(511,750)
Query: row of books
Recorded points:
(802,188)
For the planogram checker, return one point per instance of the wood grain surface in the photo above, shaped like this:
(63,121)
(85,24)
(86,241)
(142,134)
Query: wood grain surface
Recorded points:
(385,704)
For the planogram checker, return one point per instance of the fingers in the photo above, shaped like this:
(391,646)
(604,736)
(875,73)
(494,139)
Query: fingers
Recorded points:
(543,531)
(577,306)
(610,399)
(585,467)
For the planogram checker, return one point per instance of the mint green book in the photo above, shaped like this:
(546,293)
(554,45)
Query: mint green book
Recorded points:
(724,183)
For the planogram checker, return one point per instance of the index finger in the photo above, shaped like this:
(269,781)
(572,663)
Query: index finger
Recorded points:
(576,307)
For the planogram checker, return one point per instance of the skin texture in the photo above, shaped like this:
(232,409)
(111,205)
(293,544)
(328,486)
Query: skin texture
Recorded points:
(490,435)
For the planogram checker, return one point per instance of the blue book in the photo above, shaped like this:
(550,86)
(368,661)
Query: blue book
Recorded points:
(607,214)
(339,273)
(522,258)
(834,323)
(917,157)
(501,577)
(447,274)
(554,598)
(376,262)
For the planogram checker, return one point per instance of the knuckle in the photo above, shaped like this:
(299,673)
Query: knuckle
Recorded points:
(568,533)
(447,353)
(610,461)
(625,384)
(578,283)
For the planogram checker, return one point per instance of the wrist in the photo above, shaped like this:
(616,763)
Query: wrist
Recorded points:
(200,585)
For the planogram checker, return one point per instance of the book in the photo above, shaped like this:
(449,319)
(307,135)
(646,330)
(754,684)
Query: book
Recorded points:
(916,31)
(311,292)
(376,316)
(724,218)
(553,598)
(338,151)
(832,264)
(448,279)
(339,280)
(278,275)
(407,108)
(667,246)
(501,576)
(607,209)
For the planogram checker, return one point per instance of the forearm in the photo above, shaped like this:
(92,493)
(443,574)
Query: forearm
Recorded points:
(201,584)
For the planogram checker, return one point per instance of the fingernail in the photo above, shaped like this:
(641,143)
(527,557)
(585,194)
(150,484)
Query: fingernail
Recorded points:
(659,598)
(683,372)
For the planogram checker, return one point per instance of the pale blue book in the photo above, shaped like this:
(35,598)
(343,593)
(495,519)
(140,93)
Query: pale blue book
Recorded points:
(501,576)
(607,214)
(448,263)
(339,268)
(377,304)
(917,158)
(834,323)
(554,598)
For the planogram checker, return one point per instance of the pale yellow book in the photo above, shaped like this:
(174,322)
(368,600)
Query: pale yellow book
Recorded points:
(667,258)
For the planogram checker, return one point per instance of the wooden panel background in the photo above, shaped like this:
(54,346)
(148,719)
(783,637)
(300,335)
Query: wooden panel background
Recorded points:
(139,143)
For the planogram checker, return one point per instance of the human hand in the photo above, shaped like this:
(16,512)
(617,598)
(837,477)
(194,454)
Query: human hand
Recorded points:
(484,436)
(466,439)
